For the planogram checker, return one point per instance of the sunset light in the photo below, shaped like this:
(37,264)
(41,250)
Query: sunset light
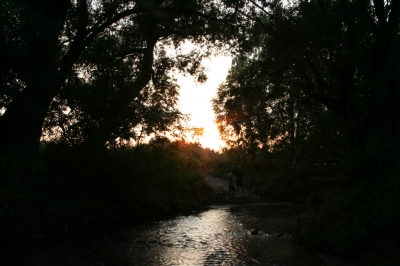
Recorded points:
(198,132)
(195,99)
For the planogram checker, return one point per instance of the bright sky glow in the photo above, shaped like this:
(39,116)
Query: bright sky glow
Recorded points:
(195,99)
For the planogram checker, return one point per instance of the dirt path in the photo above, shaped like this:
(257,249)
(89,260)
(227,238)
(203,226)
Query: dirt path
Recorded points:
(221,190)
(217,184)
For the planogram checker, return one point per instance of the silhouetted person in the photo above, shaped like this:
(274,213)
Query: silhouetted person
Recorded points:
(239,180)
(232,183)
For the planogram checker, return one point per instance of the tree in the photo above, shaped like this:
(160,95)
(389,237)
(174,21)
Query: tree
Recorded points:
(326,56)
(44,41)
(255,111)
(242,107)
(98,107)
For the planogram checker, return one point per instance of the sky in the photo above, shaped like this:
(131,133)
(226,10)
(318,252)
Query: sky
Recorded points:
(195,99)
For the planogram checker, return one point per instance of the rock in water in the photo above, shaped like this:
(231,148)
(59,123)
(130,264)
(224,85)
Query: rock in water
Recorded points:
(254,231)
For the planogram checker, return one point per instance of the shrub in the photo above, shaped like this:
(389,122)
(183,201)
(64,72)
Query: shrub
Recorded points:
(75,188)
(361,212)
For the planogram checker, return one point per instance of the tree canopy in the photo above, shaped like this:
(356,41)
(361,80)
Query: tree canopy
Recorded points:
(99,61)
(92,72)
(316,81)
(303,61)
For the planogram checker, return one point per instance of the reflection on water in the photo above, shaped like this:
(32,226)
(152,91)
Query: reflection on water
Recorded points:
(219,236)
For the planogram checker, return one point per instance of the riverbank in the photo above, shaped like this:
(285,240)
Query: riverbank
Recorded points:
(220,235)
(217,235)
(221,196)
(70,189)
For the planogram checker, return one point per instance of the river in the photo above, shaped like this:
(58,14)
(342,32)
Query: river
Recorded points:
(217,236)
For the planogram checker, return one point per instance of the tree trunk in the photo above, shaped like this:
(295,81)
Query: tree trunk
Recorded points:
(383,112)
(41,26)
(21,124)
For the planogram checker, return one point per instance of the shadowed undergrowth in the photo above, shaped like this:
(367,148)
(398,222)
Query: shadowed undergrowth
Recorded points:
(76,189)
(350,207)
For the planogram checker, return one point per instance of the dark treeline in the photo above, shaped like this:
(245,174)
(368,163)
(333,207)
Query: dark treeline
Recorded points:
(309,108)
(76,189)
(310,105)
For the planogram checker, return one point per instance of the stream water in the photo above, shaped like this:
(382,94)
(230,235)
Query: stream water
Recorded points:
(218,236)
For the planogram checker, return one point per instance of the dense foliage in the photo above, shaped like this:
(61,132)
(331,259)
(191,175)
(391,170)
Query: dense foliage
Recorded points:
(310,105)
(75,189)
(101,66)
(303,62)
(309,109)
(83,79)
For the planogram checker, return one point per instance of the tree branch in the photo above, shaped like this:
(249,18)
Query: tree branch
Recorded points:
(129,51)
(379,6)
(394,15)
(261,8)
(5,17)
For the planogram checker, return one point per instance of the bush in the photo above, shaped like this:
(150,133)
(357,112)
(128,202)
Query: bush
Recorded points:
(221,165)
(272,176)
(76,188)
(361,212)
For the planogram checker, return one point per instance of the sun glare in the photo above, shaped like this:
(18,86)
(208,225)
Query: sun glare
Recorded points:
(195,99)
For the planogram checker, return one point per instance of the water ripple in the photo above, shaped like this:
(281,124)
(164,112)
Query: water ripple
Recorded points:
(220,236)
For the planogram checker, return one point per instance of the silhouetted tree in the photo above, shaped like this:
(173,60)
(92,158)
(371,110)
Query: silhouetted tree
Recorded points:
(45,40)
(316,57)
